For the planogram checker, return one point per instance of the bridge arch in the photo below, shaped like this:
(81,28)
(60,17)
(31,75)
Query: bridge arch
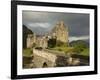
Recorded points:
(45,65)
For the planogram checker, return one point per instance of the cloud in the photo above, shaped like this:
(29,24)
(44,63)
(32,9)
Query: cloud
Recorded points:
(78,23)
(42,25)
(73,38)
(34,16)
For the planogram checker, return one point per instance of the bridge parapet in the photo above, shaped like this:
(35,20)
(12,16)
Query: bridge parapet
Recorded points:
(44,54)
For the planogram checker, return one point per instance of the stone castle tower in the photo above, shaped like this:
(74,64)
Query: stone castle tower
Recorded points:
(61,32)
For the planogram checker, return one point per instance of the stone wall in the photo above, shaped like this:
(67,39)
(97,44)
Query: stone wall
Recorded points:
(41,57)
(31,39)
(42,42)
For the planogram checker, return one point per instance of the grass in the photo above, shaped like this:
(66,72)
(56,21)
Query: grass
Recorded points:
(63,49)
(85,52)
(27,52)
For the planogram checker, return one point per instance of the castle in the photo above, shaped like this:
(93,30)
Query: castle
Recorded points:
(59,32)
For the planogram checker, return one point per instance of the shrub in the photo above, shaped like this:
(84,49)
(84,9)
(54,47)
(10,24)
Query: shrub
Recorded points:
(51,43)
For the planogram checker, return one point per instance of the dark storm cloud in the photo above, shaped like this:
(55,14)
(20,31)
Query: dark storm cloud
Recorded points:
(42,22)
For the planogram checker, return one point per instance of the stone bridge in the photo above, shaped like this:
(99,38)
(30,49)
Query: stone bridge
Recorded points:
(48,58)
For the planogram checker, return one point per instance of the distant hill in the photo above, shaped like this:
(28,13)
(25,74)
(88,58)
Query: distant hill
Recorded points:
(26,31)
(80,47)
(79,42)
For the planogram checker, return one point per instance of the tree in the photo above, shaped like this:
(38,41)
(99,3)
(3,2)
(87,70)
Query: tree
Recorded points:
(52,43)
(59,44)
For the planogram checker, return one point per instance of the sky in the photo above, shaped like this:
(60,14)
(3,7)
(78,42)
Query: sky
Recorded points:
(43,22)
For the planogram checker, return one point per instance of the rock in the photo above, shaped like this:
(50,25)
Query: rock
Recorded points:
(76,62)
(69,61)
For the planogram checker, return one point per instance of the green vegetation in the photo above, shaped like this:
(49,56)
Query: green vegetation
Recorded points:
(61,44)
(27,57)
(76,47)
(85,52)
(27,52)
(64,49)
(51,43)
(80,47)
